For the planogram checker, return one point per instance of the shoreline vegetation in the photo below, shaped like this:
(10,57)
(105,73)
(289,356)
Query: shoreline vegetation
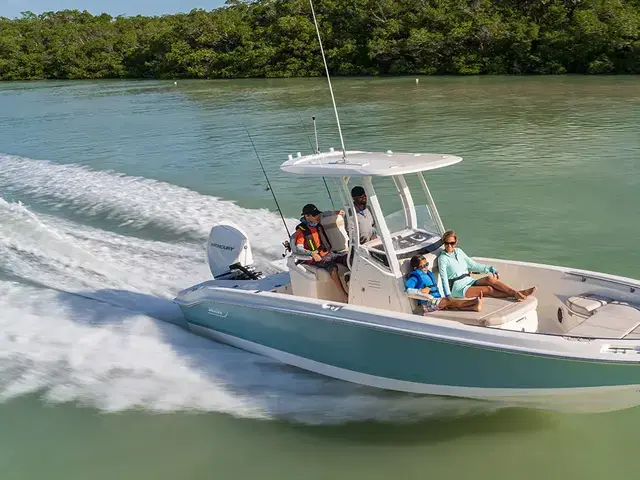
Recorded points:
(276,38)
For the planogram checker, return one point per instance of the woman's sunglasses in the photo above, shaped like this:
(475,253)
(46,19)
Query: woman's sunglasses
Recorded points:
(451,243)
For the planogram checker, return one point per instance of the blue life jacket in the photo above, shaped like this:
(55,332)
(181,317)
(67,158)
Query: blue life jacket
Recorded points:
(426,280)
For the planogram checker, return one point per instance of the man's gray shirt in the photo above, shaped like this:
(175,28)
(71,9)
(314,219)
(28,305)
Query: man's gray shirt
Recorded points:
(366,225)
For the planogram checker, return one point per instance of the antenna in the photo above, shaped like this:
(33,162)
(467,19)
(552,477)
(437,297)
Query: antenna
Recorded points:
(315,131)
(326,67)
(267,178)
(317,151)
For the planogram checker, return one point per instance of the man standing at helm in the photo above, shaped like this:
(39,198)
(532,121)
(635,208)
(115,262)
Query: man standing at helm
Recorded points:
(366,224)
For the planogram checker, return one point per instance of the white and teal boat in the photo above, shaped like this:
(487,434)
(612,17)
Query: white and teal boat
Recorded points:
(573,346)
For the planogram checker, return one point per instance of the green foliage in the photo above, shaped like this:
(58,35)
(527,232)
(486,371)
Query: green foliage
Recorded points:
(276,38)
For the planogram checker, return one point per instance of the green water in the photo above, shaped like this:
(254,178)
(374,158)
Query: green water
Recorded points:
(108,189)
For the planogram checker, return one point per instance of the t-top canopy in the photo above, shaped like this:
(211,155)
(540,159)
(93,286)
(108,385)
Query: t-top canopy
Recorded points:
(361,164)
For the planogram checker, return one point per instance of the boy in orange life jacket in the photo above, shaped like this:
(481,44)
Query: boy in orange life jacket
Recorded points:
(311,240)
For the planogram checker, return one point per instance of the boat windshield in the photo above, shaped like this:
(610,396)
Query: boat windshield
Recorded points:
(397,221)
(411,223)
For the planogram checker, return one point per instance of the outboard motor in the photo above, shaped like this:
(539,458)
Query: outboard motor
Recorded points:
(229,254)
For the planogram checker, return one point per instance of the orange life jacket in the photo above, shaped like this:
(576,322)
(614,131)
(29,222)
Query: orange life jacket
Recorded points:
(312,239)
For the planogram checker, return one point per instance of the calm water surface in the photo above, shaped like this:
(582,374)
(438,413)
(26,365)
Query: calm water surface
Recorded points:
(107,194)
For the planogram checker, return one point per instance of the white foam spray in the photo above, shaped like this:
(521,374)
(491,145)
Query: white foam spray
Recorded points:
(135,202)
(114,354)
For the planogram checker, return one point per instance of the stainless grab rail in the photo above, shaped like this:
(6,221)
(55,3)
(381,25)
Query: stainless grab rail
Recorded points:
(584,277)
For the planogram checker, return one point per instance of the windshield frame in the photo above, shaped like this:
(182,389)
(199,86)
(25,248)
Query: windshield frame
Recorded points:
(382,248)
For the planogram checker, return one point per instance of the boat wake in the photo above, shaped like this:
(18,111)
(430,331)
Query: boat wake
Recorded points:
(87,317)
(134,204)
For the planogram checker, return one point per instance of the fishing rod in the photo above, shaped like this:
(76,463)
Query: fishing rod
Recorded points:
(326,67)
(316,151)
(268,183)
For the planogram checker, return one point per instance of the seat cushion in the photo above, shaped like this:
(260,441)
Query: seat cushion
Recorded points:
(323,275)
(405,265)
(335,229)
(320,273)
(586,304)
(495,311)
(405,268)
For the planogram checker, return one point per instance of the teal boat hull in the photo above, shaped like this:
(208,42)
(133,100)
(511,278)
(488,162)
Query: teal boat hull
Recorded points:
(362,346)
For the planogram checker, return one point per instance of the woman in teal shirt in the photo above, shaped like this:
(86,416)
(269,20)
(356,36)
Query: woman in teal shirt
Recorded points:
(455,267)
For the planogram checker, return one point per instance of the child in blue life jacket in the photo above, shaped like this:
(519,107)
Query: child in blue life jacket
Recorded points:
(421,280)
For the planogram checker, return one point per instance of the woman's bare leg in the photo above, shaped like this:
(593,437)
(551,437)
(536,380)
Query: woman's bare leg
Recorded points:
(475,291)
(528,291)
(491,281)
(474,305)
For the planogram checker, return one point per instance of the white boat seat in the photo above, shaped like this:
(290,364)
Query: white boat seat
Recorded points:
(405,268)
(586,305)
(335,230)
(613,320)
(323,275)
(495,312)
(334,227)
(314,282)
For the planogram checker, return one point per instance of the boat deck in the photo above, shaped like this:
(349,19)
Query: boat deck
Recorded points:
(613,320)
(278,282)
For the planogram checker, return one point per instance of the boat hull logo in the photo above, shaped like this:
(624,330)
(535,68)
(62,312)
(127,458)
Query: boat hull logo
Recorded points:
(217,313)
(223,247)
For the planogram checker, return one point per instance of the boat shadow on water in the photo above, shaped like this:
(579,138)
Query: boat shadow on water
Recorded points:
(295,398)
(436,430)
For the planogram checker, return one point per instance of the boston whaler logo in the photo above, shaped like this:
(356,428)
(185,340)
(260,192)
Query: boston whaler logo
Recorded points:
(223,247)
(217,313)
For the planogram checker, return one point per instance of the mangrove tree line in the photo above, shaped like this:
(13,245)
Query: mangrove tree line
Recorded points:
(276,38)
